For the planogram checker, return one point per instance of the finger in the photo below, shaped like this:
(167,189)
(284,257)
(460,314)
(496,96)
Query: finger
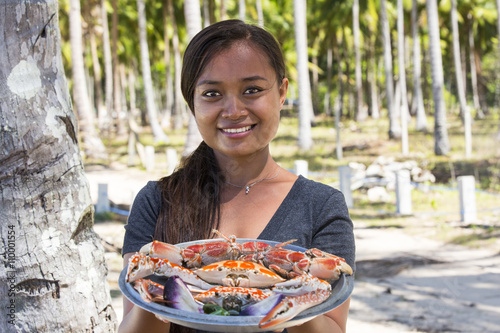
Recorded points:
(162,318)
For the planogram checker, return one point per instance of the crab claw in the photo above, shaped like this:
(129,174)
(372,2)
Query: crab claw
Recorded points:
(148,290)
(178,296)
(302,284)
(327,266)
(289,307)
(141,265)
(162,250)
(263,307)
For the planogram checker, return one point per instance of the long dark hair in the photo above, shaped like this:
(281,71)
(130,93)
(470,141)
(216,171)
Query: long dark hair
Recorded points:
(191,199)
(191,195)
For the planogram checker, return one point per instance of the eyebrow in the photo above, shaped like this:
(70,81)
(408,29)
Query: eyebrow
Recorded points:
(246,79)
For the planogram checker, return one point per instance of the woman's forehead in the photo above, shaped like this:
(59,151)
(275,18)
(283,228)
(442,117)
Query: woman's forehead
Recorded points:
(239,58)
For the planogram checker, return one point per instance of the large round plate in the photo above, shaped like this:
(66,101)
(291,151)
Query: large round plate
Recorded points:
(341,290)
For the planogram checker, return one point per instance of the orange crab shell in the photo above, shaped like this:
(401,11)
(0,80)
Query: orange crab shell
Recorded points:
(247,295)
(235,273)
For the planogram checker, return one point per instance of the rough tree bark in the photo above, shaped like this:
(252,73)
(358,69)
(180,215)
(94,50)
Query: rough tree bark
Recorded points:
(53,276)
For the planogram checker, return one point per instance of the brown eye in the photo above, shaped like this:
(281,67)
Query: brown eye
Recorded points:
(211,93)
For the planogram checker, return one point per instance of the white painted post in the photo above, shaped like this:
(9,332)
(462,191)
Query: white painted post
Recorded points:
(102,199)
(467,195)
(131,149)
(142,153)
(171,160)
(150,158)
(345,184)
(403,192)
(301,168)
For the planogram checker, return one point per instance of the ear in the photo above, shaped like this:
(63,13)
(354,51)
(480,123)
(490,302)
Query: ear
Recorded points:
(283,91)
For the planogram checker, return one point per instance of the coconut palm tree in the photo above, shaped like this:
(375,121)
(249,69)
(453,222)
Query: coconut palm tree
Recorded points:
(304,86)
(404,113)
(441,141)
(92,144)
(394,127)
(108,67)
(159,135)
(53,267)
(464,109)
(498,28)
(193,26)
(418,99)
(361,111)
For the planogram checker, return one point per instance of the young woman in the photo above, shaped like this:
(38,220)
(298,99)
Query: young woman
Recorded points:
(233,79)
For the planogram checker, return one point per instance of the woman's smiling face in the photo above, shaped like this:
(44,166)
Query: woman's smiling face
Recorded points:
(237,101)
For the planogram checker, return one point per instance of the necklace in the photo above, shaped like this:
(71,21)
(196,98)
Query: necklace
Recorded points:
(247,187)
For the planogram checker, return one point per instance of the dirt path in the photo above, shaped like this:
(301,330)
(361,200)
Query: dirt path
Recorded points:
(404,283)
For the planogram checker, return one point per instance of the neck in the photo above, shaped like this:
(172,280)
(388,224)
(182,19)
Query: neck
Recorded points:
(244,171)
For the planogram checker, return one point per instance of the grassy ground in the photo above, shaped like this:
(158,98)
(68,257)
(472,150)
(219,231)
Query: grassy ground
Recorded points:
(435,212)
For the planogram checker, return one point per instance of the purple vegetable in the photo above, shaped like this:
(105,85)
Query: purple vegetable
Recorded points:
(179,297)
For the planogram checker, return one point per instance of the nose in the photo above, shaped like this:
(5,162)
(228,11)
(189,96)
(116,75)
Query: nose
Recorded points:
(234,108)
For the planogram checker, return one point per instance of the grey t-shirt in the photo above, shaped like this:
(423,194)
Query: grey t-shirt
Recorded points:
(313,213)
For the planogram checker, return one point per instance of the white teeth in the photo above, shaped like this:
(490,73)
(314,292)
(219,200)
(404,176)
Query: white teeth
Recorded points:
(237,130)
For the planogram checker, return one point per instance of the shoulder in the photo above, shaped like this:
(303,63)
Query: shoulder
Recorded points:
(141,222)
(315,191)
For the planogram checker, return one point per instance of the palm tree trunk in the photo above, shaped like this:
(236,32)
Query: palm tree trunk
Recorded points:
(473,72)
(305,104)
(260,13)
(53,275)
(117,90)
(402,80)
(96,66)
(108,66)
(339,105)
(361,112)
(158,133)
(242,9)
(498,87)
(169,90)
(418,98)
(464,109)
(177,122)
(329,64)
(441,142)
(193,26)
(394,128)
(92,144)
(372,80)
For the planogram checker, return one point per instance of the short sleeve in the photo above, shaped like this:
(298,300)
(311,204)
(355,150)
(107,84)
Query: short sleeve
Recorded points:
(333,229)
(141,223)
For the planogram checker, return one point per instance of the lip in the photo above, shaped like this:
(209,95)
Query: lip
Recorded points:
(237,131)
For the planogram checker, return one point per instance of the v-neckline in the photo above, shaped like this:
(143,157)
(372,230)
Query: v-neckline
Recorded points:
(279,215)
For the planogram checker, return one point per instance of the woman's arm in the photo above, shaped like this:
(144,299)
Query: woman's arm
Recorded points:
(136,319)
(334,321)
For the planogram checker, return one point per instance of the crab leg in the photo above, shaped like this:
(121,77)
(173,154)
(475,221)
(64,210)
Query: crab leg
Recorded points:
(141,265)
(292,306)
(301,293)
